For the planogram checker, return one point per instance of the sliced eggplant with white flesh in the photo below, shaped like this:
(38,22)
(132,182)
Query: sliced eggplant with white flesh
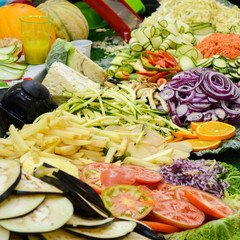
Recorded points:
(4,234)
(59,234)
(136,236)
(32,185)
(10,174)
(116,230)
(53,213)
(83,222)
(16,206)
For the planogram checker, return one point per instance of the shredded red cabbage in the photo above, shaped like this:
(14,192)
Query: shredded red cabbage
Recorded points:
(201,174)
(202,94)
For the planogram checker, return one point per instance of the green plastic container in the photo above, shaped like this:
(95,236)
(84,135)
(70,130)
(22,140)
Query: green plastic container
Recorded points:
(93,18)
(137,6)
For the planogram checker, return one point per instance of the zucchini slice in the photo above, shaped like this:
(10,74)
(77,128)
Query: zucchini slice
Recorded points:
(8,50)
(16,206)
(59,234)
(32,185)
(219,63)
(53,213)
(15,65)
(116,230)
(186,63)
(4,234)
(5,75)
(81,222)
(10,175)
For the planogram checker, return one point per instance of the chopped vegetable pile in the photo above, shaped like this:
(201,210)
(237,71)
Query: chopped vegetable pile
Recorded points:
(201,94)
(200,174)
(218,43)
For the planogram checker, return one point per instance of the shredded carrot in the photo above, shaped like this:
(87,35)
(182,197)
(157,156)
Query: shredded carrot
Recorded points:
(227,45)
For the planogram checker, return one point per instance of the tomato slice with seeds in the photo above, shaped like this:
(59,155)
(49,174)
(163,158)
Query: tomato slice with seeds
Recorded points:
(181,214)
(127,201)
(91,173)
(179,193)
(164,186)
(145,175)
(119,175)
(158,196)
(208,203)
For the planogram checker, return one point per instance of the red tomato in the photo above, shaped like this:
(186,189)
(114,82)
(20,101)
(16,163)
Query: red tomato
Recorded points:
(179,193)
(145,175)
(163,186)
(158,196)
(179,213)
(208,203)
(127,201)
(114,176)
(90,174)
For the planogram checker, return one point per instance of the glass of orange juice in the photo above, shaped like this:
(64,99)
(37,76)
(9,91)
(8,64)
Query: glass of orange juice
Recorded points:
(36,31)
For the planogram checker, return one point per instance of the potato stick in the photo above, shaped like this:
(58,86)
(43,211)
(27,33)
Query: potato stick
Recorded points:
(92,154)
(50,155)
(141,163)
(122,147)
(50,149)
(25,156)
(92,148)
(76,142)
(6,153)
(75,155)
(85,161)
(30,143)
(111,135)
(17,149)
(66,150)
(163,153)
(34,128)
(23,147)
(6,141)
(64,134)
(100,143)
(110,154)
(39,136)
(74,119)
(77,129)
(162,160)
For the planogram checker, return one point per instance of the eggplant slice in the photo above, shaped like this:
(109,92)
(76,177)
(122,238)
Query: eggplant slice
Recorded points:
(32,185)
(4,234)
(81,222)
(116,230)
(54,212)
(59,234)
(16,206)
(10,175)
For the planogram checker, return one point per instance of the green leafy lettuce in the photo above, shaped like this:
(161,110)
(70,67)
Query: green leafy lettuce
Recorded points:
(222,229)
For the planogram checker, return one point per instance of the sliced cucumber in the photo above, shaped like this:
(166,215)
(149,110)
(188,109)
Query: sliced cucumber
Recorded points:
(54,212)
(32,185)
(156,42)
(186,63)
(205,62)
(219,63)
(77,221)
(5,75)
(116,230)
(11,70)
(8,50)
(11,59)
(4,57)
(234,75)
(181,50)
(10,176)
(232,64)
(16,206)
(15,65)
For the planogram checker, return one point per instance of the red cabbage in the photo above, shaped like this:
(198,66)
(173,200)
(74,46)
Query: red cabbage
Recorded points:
(201,174)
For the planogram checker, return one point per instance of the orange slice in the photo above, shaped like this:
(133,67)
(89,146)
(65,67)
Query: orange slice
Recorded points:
(181,134)
(198,145)
(194,125)
(215,131)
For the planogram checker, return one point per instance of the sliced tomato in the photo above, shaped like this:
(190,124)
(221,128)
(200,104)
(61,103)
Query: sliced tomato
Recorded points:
(181,214)
(158,196)
(145,175)
(91,173)
(114,176)
(127,201)
(164,186)
(179,193)
(208,203)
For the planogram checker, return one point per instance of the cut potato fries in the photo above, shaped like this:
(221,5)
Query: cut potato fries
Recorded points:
(60,139)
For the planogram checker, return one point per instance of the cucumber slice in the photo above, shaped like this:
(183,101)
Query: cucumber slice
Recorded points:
(156,42)
(183,49)
(53,213)
(8,50)
(10,171)
(16,206)
(186,63)
(237,62)
(203,30)
(219,63)
(116,230)
(205,62)
(15,65)
(31,185)
(4,57)
(234,75)
(232,64)
(11,59)
(11,70)
(5,75)
(77,221)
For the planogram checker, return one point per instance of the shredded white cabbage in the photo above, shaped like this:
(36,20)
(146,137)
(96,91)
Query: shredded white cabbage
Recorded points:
(225,19)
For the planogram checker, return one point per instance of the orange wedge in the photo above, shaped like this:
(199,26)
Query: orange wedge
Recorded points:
(215,131)
(194,125)
(181,134)
(198,145)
